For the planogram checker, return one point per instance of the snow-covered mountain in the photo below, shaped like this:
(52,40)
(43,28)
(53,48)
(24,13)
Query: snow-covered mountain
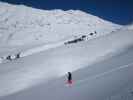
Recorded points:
(21,25)
(52,42)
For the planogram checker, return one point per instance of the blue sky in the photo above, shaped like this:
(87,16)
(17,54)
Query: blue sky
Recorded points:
(116,11)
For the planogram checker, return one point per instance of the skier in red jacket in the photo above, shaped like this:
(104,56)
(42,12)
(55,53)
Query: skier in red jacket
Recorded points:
(69,77)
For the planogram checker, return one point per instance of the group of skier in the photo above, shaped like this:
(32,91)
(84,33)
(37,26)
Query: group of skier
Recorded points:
(10,57)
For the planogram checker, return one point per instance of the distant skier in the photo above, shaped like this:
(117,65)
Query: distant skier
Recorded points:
(9,58)
(69,77)
(18,55)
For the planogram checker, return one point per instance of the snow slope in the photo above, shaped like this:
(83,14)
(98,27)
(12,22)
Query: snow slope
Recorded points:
(21,25)
(29,71)
(106,80)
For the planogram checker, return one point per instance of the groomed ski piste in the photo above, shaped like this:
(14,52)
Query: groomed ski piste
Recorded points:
(101,64)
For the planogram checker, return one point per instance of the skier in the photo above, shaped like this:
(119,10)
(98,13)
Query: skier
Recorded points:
(69,77)
(9,58)
(18,55)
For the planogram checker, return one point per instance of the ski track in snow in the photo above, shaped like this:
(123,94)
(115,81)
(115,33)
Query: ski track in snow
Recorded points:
(103,74)
(39,49)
